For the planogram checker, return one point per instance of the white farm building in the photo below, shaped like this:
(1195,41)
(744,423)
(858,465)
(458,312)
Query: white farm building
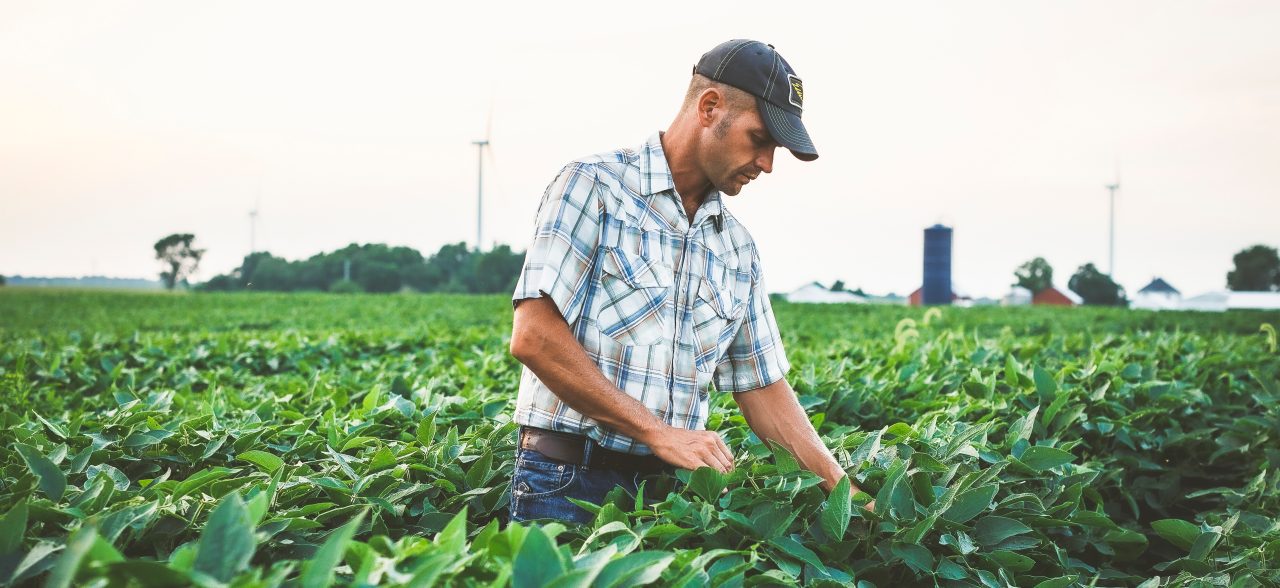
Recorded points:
(1158,295)
(814,292)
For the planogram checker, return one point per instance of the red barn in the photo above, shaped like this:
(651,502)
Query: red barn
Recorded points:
(1054,297)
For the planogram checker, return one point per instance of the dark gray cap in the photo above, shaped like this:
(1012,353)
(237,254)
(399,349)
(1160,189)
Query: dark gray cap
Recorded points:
(756,68)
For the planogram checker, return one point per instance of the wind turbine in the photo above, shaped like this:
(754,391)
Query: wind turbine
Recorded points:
(253,222)
(1111,253)
(480,149)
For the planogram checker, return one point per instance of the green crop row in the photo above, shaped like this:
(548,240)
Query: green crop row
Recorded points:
(277,440)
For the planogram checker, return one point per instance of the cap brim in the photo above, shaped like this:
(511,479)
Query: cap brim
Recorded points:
(787,130)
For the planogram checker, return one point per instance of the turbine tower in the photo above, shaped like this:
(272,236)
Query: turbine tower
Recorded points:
(1111,249)
(481,145)
(253,224)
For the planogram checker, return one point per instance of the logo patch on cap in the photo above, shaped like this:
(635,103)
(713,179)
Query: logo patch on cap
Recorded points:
(796,95)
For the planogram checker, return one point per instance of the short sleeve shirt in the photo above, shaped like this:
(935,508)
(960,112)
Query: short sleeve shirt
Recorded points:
(664,306)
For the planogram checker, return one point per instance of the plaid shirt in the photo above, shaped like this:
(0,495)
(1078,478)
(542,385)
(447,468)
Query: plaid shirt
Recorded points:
(664,306)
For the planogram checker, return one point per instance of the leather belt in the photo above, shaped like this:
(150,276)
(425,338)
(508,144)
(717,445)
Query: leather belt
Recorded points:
(571,448)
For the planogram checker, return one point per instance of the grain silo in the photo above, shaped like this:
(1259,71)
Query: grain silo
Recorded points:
(937,265)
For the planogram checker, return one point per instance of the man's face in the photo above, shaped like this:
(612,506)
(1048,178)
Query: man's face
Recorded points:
(737,149)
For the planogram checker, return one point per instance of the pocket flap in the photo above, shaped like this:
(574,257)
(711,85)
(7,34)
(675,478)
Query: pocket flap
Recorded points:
(721,300)
(634,270)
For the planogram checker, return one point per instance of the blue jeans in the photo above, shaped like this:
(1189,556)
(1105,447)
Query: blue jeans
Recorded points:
(541,487)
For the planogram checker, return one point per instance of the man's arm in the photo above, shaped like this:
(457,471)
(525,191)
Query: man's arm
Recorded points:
(774,414)
(541,340)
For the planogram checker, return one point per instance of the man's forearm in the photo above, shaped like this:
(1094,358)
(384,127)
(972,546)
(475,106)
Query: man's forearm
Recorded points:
(541,340)
(775,415)
(548,348)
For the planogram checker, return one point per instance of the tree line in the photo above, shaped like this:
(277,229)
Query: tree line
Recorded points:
(377,267)
(1255,269)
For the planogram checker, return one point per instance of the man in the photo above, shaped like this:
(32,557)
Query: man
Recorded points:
(640,290)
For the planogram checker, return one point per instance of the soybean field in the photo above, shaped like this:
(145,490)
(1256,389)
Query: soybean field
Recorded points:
(253,439)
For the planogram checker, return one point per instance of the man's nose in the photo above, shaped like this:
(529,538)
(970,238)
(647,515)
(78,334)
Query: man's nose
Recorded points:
(765,161)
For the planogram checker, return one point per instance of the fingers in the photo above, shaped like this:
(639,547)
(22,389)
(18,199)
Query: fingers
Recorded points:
(724,452)
(714,460)
(694,449)
(720,456)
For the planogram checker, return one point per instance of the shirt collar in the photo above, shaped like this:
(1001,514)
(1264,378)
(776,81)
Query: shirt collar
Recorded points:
(655,173)
(655,177)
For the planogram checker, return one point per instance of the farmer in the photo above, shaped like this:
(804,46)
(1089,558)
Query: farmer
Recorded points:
(640,290)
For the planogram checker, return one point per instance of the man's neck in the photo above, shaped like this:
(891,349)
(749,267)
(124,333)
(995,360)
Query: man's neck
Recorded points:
(692,185)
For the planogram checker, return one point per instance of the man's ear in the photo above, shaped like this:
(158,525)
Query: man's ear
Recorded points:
(708,102)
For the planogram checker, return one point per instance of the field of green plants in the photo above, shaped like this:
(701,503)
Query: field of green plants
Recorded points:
(315,440)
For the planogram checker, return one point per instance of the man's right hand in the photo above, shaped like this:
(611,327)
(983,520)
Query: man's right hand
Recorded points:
(689,449)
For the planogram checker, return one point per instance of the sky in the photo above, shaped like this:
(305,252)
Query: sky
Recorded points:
(122,122)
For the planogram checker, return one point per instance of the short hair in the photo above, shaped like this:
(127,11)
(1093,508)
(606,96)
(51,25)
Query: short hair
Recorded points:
(736,100)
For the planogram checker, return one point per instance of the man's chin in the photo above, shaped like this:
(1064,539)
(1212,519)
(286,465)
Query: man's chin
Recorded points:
(730,189)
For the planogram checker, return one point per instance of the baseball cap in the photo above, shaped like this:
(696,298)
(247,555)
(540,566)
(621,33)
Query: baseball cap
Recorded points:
(756,68)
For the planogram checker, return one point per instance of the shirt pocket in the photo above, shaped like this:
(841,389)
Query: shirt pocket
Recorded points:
(635,292)
(716,313)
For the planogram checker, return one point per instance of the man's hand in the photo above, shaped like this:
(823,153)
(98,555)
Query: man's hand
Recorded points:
(688,449)
(774,414)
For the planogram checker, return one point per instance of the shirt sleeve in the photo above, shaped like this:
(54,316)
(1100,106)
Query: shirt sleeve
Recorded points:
(567,232)
(756,357)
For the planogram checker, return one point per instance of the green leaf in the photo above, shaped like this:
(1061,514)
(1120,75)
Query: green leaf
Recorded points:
(426,432)
(970,503)
(199,480)
(917,533)
(1204,545)
(257,507)
(50,479)
(1040,458)
(58,431)
(478,473)
(950,570)
(707,483)
(118,479)
(1046,386)
(1012,561)
(1059,582)
(792,547)
(915,556)
(78,546)
(835,518)
(318,571)
(782,459)
(268,462)
(538,562)
(382,459)
(992,529)
(227,542)
(1177,532)
(1022,429)
(453,539)
(13,525)
(634,569)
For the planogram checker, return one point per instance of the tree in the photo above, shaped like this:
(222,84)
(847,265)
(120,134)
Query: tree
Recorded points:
(1096,288)
(496,270)
(1257,269)
(178,257)
(1034,275)
(1,280)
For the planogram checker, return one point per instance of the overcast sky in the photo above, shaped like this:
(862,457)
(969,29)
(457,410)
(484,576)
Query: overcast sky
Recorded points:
(121,122)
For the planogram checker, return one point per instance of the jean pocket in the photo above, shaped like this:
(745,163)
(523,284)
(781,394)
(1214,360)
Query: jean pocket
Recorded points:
(537,476)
